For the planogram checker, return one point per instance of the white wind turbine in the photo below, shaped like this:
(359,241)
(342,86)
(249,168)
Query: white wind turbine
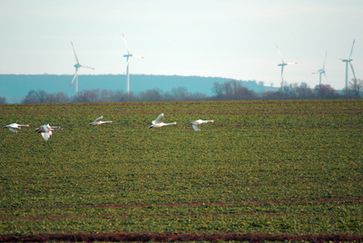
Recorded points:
(127,56)
(348,61)
(76,67)
(322,71)
(282,67)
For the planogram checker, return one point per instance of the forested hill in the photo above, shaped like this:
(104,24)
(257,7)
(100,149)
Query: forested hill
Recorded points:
(15,87)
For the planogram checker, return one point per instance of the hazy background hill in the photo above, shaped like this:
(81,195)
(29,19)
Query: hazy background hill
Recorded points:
(15,87)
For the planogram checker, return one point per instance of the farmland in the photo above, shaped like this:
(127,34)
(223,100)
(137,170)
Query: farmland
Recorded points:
(276,167)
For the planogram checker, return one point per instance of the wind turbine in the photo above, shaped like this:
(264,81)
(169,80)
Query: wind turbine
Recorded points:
(282,66)
(322,71)
(127,56)
(348,61)
(76,67)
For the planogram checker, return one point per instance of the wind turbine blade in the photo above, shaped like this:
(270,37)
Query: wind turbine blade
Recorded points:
(279,52)
(74,77)
(74,52)
(291,63)
(88,67)
(326,54)
(125,41)
(351,50)
(351,67)
(326,77)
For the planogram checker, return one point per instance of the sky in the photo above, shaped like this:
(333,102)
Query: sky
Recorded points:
(220,38)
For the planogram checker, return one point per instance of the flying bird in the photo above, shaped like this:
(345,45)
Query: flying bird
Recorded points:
(14,127)
(158,123)
(197,123)
(99,121)
(46,131)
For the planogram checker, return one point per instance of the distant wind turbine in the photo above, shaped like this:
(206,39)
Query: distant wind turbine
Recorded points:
(127,56)
(76,67)
(348,61)
(322,71)
(282,67)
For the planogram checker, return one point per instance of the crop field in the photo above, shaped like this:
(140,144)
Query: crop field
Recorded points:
(262,168)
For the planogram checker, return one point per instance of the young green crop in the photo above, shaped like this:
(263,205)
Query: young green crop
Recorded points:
(262,166)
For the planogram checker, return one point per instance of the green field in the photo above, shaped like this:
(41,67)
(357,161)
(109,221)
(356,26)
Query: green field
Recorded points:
(263,167)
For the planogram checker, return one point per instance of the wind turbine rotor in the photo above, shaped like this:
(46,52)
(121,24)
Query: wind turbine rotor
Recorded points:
(125,42)
(74,77)
(88,67)
(74,52)
(326,54)
(280,54)
(351,51)
(352,68)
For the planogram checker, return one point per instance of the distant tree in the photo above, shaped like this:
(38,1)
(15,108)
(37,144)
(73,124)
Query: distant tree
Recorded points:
(273,95)
(112,96)
(303,91)
(2,100)
(40,96)
(96,95)
(59,97)
(180,93)
(197,96)
(87,96)
(325,91)
(355,88)
(151,95)
(35,97)
(232,90)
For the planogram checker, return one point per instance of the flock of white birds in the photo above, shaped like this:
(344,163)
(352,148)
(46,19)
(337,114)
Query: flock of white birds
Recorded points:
(46,130)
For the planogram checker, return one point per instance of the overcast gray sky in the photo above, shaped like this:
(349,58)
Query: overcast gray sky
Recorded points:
(224,38)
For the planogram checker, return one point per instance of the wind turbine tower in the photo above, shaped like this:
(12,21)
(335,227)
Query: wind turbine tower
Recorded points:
(322,71)
(76,67)
(127,56)
(282,66)
(348,62)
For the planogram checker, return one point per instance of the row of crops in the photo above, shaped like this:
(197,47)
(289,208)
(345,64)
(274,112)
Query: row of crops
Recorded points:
(262,167)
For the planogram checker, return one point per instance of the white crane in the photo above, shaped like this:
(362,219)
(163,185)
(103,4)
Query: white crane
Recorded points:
(347,62)
(76,67)
(14,127)
(46,131)
(282,66)
(158,123)
(197,123)
(99,121)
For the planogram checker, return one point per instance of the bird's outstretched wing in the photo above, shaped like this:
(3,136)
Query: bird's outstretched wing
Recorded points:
(195,127)
(12,129)
(99,118)
(158,119)
(46,135)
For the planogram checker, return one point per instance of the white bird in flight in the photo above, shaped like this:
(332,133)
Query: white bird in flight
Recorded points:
(158,123)
(197,123)
(14,127)
(99,121)
(46,131)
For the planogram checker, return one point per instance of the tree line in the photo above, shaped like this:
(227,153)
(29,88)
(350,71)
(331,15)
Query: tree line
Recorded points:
(231,90)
